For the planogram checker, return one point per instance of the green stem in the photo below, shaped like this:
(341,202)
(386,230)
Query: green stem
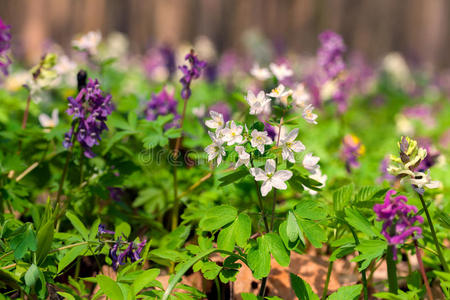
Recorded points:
(219,293)
(392,270)
(363,272)
(176,205)
(327,281)
(433,234)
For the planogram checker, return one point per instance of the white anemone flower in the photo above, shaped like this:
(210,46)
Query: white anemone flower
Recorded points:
(317,176)
(421,180)
(270,177)
(281,71)
(301,97)
(259,139)
(279,92)
(215,150)
(88,42)
(308,114)
(260,73)
(258,103)
(232,134)
(290,146)
(244,157)
(310,162)
(217,121)
(49,122)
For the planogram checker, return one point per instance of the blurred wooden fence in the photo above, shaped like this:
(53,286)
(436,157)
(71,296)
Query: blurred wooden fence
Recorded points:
(418,28)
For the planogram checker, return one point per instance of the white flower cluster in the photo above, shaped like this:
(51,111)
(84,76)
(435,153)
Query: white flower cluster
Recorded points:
(239,136)
(88,42)
(281,72)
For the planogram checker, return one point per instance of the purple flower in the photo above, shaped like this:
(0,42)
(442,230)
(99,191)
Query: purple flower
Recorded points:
(271,131)
(163,104)
(159,63)
(432,155)
(330,53)
(102,230)
(343,92)
(398,218)
(5,45)
(131,252)
(385,175)
(116,193)
(89,110)
(191,72)
(352,149)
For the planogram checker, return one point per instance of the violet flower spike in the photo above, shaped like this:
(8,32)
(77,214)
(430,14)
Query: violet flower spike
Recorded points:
(330,54)
(162,104)
(399,218)
(102,230)
(190,73)
(5,45)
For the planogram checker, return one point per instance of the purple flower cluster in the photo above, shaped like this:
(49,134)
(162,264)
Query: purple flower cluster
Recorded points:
(432,155)
(89,110)
(352,149)
(160,59)
(132,252)
(343,92)
(385,175)
(5,45)
(330,53)
(190,73)
(162,104)
(398,218)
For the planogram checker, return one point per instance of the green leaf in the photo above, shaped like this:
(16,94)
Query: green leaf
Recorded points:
(78,225)
(217,217)
(342,251)
(258,259)
(32,275)
(132,120)
(109,287)
(234,176)
(359,222)
(342,197)
(44,240)
(23,240)
(277,248)
(310,209)
(70,256)
(243,229)
(144,279)
(226,238)
(315,234)
(347,292)
(250,296)
(66,295)
(293,230)
(282,230)
(370,250)
(123,229)
(210,270)
(302,289)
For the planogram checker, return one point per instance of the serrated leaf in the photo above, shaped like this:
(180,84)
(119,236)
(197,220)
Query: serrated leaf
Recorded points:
(24,240)
(315,234)
(359,222)
(310,209)
(369,250)
(242,229)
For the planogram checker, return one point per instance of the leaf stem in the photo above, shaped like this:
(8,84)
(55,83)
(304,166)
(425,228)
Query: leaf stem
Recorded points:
(327,281)
(391,270)
(422,271)
(433,234)
(363,272)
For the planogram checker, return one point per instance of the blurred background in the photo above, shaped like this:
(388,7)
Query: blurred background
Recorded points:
(420,29)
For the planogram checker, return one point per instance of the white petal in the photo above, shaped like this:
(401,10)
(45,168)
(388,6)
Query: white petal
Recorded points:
(278,183)
(270,166)
(266,188)
(292,135)
(297,146)
(283,175)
